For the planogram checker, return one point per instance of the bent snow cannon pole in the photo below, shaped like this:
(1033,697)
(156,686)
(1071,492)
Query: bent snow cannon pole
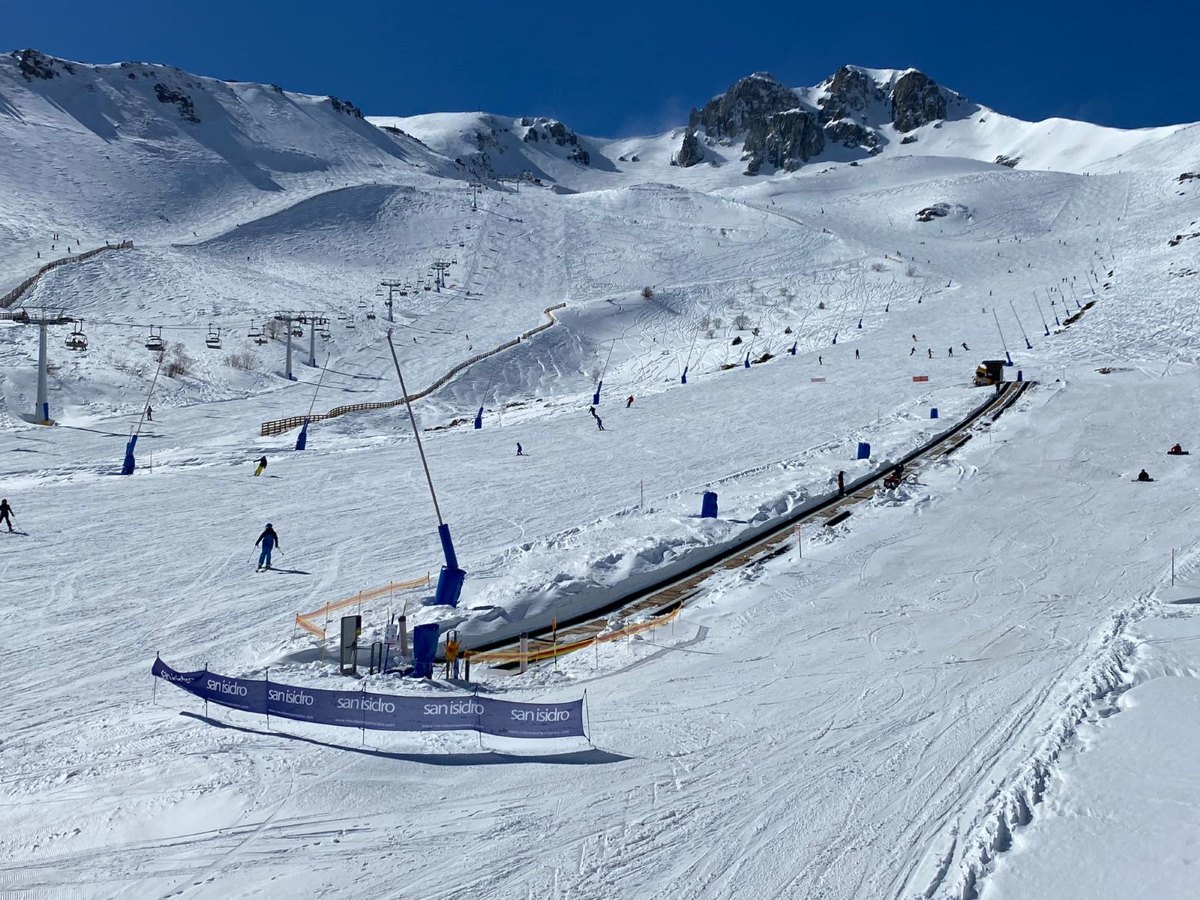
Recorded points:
(302,438)
(450,581)
(130,463)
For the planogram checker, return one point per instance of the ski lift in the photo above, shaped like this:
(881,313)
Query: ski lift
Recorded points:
(350,323)
(77,340)
(260,340)
(325,335)
(155,343)
(297,331)
(213,341)
(254,332)
(370,315)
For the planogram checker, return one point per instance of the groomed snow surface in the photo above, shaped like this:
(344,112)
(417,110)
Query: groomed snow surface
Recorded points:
(982,684)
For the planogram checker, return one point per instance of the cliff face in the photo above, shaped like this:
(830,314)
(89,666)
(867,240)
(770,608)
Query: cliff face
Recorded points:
(784,128)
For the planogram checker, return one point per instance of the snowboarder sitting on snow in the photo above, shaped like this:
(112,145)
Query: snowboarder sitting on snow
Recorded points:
(262,467)
(6,513)
(270,541)
(1144,476)
(1177,450)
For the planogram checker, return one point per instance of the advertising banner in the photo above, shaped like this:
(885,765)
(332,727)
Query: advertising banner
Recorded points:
(384,712)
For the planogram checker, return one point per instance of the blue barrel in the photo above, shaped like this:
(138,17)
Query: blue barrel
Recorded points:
(708,505)
(864,450)
(933,413)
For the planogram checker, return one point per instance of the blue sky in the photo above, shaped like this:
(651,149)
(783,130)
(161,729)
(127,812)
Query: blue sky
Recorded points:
(616,68)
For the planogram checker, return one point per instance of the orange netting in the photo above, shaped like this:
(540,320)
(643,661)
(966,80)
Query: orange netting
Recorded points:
(306,620)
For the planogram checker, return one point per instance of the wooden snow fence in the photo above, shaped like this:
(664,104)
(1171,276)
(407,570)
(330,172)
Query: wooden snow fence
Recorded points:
(16,293)
(279,426)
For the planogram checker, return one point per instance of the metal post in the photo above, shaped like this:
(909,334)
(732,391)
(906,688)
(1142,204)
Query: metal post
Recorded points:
(287,366)
(312,341)
(524,667)
(41,412)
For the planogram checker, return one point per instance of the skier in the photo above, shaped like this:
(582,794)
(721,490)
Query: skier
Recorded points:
(149,413)
(951,353)
(930,349)
(629,401)
(6,513)
(520,452)
(262,465)
(856,353)
(912,351)
(599,424)
(965,347)
(914,337)
(820,360)
(270,541)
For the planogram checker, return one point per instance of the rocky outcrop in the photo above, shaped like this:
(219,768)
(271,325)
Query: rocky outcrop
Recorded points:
(691,152)
(786,140)
(345,107)
(35,64)
(916,101)
(554,132)
(168,95)
(941,210)
(850,94)
(765,115)
(1010,161)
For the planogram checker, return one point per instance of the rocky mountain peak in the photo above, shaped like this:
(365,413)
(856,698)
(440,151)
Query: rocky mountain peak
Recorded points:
(786,127)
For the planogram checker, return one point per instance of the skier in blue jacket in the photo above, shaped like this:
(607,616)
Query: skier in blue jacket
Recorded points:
(269,541)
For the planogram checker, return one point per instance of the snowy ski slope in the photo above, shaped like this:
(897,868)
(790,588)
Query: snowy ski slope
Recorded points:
(871,720)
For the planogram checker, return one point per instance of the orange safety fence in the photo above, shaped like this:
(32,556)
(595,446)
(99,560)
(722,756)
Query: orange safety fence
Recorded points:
(555,650)
(306,620)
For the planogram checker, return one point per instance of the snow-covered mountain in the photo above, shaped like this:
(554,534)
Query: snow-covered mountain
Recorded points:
(134,149)
(760,127)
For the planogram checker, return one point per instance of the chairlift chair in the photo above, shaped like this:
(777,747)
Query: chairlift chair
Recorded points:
(254,332)
(213,341)
(350,323)
(155,343)
(297,331)
(77,340)
(370,315)
(260,340)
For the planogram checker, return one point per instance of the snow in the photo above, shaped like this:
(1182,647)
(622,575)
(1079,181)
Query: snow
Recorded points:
(955,691)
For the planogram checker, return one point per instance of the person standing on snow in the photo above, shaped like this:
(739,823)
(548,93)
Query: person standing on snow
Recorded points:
(149,413)
(262,466)
(629,401)
(6,513)
(520,452)
(269,541)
